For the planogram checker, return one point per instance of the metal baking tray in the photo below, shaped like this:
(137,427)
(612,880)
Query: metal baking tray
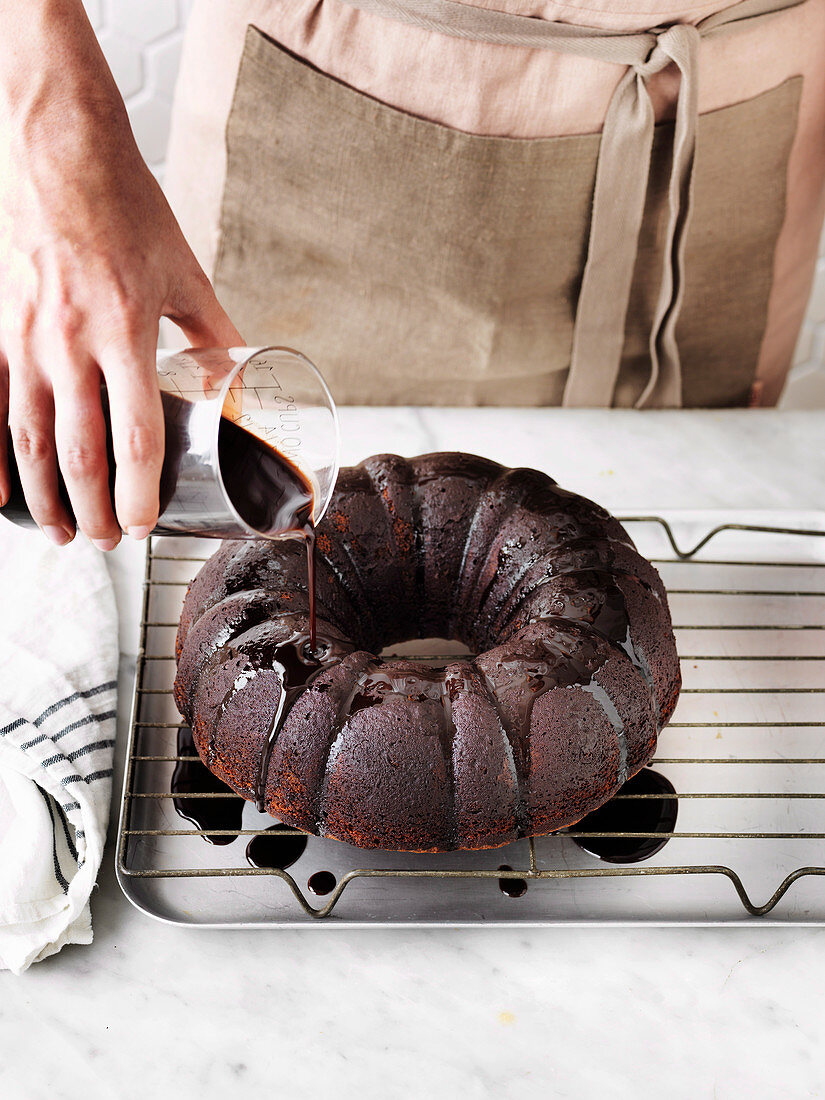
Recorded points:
(745,753)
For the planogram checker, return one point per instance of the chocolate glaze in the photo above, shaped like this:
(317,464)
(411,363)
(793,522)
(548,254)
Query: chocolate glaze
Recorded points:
(322,882)
(189,776)
(299,663)
(486,588)
(631,815)
(512,887)
(276,850)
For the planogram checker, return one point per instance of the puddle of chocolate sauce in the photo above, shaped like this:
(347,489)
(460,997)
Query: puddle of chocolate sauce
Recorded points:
(322,882)
(191,776)
(275,849)
(512,887)
(631,815)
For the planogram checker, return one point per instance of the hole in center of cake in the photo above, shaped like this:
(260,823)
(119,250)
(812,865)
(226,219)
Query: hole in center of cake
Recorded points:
(435,651)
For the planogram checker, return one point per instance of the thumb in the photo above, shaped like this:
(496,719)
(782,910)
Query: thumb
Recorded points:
(199,315)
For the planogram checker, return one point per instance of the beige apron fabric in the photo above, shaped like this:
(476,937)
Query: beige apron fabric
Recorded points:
(419,264)
(563,113)
(598,336)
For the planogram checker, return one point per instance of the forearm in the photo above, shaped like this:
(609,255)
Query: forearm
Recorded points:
(49,54)
(90,259)
(56,89)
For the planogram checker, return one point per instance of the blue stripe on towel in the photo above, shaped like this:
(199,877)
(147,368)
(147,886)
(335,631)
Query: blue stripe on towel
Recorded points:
(103,774)
(58,874)
(89,720)
(105,744)
(12,726)
(87,694)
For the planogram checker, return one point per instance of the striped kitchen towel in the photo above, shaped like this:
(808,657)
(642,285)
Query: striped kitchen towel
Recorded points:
(58,686)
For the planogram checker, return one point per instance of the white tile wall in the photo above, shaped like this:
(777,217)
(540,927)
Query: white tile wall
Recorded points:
(142,39)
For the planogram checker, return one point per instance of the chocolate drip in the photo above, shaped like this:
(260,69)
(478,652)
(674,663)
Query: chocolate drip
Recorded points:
(655,815)
(529,677)
(309,536)
(438,685)
(276,849)
(341,715)
(322,882)
(298,664)
(612,608)
(240,683)
(512,887)
(191,776)
(607,569)
(524,679)
(609,707)
(625,646)
(611,622)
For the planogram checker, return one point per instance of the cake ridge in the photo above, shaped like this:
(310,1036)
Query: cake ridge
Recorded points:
(495,484)
(516,761)
(341,716)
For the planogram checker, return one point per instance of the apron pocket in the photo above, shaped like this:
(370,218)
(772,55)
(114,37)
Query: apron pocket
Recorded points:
(414,263)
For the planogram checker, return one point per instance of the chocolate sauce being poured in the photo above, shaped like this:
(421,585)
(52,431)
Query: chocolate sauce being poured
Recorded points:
(276,849)
(190,777)
(268,491)
(270,494)
(654,815)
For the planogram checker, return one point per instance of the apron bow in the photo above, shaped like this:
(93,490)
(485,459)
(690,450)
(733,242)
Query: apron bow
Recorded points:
(623,169)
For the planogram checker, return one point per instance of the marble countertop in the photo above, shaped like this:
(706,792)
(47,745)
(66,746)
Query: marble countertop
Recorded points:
(150,1009)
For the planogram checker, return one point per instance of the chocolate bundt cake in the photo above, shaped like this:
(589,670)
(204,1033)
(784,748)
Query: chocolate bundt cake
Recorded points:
(576,674)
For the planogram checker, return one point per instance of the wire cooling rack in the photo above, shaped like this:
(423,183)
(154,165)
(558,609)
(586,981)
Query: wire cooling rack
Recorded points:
(745,754)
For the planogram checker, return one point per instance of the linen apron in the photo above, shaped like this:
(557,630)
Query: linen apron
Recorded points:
(418,263)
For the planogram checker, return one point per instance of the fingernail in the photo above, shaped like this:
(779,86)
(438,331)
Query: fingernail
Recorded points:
(138,532)
(105,544)
(58,535)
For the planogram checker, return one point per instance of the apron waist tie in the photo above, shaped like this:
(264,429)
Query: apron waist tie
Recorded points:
(621,174)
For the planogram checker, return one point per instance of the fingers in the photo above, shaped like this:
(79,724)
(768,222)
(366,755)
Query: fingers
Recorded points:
(197,312)
(80,436)
(5,480)
(137,431)
(31,418)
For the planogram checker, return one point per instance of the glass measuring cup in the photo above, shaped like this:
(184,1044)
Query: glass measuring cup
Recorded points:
(242,426)
(251,448)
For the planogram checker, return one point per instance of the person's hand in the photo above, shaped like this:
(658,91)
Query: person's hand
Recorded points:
(90,258)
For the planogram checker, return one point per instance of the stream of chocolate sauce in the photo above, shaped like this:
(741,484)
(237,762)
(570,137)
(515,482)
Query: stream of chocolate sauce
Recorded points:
(270,494)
